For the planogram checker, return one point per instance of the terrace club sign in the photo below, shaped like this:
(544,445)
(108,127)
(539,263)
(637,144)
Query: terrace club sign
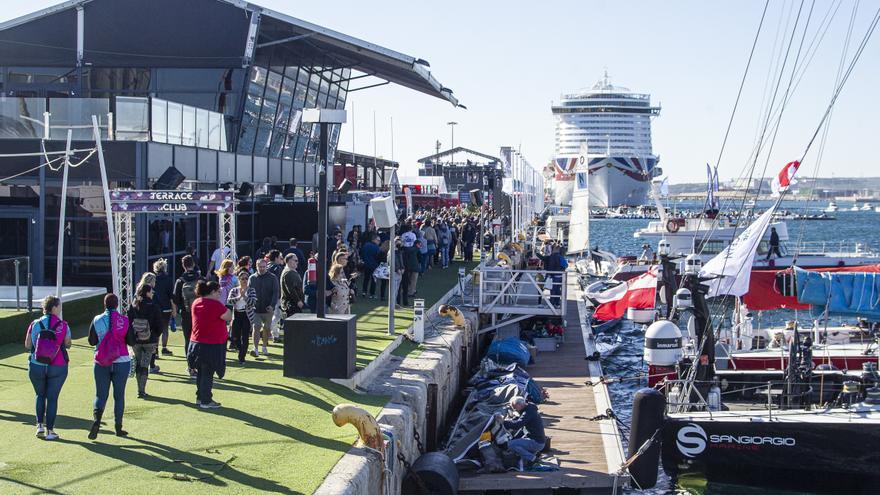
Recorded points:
(146,201)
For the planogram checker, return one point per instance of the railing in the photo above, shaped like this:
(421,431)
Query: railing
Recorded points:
(135,119)
(837,247)
(519,292)
(16,283)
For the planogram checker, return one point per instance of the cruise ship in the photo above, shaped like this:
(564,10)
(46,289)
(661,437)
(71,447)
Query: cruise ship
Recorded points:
(615,124)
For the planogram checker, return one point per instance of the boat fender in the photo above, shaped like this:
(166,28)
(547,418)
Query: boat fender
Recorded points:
(647,418)
(436,471)
(671,226)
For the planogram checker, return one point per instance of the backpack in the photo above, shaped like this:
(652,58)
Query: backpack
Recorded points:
(112,346)
(188,291)
(49,343)
(141,327)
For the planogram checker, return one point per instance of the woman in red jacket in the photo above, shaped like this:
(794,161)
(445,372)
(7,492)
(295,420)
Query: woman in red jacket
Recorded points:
(207,348)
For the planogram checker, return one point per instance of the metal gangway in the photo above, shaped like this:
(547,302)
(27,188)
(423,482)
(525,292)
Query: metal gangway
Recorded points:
(510,296)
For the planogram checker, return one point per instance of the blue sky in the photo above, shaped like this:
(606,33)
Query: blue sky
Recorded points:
(507,61)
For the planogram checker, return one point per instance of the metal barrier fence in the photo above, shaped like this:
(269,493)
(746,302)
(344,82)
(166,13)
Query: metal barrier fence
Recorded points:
(16,283)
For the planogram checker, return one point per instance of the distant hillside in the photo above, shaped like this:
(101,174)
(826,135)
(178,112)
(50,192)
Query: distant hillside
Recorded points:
(824,185)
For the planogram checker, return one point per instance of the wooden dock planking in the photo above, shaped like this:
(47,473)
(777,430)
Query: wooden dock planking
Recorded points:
(575,440)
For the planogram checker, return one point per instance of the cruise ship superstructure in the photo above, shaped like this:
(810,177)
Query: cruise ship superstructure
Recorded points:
(615,124)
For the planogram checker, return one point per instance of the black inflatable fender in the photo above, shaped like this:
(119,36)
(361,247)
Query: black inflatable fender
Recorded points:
(648,413)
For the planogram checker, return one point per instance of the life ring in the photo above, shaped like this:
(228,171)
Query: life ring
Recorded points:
(671,226)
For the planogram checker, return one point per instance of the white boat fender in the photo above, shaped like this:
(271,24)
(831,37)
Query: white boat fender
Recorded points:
(643,456)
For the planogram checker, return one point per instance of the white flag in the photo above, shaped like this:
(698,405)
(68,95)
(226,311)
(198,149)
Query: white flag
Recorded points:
(733,266)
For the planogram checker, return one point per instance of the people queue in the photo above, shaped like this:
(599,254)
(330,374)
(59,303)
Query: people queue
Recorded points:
(240,301)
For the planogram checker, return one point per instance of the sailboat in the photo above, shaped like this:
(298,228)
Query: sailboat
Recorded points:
(579,219)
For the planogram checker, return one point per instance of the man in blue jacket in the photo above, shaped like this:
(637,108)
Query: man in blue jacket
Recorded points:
(529,420)
(370,258)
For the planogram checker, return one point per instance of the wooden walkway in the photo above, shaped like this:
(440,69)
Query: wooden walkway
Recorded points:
(575,440)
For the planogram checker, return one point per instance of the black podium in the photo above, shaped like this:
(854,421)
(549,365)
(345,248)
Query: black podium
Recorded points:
(320,347)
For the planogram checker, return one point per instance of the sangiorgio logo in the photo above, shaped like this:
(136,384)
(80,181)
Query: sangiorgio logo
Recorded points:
(691,440)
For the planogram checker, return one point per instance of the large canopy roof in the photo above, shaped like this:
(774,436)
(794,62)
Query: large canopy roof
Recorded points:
(195,33)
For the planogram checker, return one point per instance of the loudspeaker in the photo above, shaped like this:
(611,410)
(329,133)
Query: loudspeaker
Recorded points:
(171,178)
(245,190)
(344,186)
(477,197)
(384,212)
(289,191)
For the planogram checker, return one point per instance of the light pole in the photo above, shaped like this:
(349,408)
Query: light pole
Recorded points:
(452,125)
(323,117)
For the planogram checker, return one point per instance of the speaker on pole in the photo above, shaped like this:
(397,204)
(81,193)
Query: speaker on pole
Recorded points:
(245,190)
(477,197)
(171,178)
(384,212)
(344,186)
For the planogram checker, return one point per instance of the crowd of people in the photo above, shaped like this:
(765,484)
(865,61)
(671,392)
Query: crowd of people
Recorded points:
(239,304)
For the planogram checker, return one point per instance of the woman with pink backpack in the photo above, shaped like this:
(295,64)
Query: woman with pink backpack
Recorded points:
(111,335)
(48,339)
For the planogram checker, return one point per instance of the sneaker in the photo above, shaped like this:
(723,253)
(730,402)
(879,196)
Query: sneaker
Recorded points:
(241,362)
(265,351)
(41,431)
(142,395)
(276,340)
(51,435)
(155,369)
(209,405)
(255,353)
(166,352)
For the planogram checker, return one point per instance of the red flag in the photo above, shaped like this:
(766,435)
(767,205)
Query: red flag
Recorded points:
(785,177)
(640,293)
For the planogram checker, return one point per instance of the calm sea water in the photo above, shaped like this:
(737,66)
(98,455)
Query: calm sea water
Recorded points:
(616,235)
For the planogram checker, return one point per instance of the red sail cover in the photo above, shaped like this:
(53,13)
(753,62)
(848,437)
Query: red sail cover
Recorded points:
(763,294)
(640,293)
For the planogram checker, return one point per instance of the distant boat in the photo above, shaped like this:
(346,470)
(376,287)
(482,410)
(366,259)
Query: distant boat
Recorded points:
(877,209)
(831,208)
(867,207)
(854,208)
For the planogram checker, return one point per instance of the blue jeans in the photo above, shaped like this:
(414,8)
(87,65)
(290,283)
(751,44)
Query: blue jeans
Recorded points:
(47,382)
(117,374)
(525,448)
(444,256)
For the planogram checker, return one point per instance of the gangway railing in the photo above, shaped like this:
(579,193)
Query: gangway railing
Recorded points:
(522,292)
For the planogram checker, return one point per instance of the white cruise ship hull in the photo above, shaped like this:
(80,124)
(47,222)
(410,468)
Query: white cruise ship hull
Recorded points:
(620,181)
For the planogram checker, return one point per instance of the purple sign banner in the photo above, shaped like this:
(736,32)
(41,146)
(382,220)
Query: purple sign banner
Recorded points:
(133,201)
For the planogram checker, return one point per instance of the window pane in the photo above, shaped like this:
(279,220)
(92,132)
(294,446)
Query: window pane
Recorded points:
(76,114)
(188,129)
(160,120)
(216,133)
(175,119)
(21,117)
(202,128)
(131,118)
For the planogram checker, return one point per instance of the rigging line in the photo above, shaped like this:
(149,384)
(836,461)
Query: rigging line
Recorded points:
(715,223)
(23,173)
(786,98)
(823,141)
(742,84)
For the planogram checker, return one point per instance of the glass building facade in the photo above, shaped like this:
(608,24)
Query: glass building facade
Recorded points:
(214,88)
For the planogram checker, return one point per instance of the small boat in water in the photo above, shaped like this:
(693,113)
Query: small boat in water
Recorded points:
(831,208)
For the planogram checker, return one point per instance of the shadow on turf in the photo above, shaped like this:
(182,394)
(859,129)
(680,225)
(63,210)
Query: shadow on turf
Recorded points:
(262,423)
(156,457)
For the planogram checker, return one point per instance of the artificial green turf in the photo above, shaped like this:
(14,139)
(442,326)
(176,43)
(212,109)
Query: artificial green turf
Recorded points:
(373,335)
(273,434)
(277,431)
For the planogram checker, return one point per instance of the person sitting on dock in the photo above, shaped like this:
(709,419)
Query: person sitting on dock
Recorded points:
(529,445)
